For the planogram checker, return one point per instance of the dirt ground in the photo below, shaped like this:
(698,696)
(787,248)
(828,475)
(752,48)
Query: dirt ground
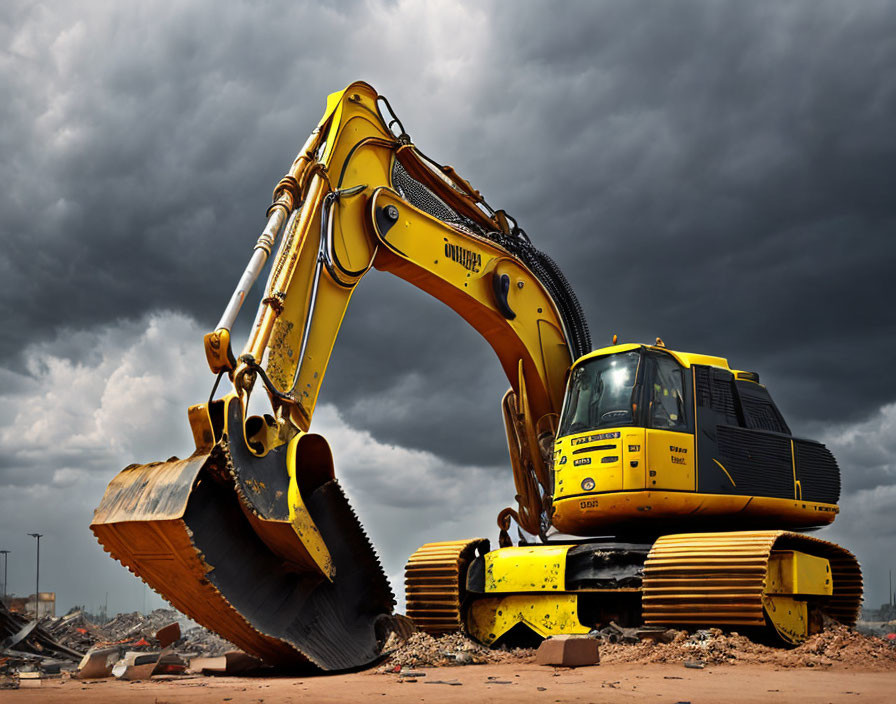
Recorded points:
(836,665)
(503,682)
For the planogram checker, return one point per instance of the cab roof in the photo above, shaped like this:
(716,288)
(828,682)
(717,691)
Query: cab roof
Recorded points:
(686,359)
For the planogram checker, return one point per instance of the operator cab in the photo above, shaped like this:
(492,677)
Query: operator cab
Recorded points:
(640,388)
(648,434)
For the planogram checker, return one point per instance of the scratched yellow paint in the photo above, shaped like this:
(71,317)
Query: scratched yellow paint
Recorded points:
(301,520)
(546,614)
(540,568)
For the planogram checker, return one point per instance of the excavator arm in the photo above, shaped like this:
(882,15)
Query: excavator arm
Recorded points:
(251,535)
(359,197)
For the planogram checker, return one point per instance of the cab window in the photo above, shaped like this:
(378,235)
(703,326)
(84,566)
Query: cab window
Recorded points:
(667,408)
(600,394)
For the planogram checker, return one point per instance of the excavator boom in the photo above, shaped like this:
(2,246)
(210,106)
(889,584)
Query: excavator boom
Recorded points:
(252,535)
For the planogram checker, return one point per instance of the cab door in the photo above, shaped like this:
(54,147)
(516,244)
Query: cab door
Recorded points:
(670,438)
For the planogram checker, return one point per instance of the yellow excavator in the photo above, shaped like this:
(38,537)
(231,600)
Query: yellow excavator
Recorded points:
(687,492)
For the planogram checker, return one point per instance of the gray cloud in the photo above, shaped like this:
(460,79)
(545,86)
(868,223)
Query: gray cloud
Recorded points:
(866,451)
(713,173)
(719,174)
(75,425)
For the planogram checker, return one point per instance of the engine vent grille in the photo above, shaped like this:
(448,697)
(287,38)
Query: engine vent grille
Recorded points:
(817,471)
(759,463)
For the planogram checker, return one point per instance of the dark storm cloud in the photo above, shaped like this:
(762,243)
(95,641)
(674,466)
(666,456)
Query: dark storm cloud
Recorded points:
(718,174)
(144,145)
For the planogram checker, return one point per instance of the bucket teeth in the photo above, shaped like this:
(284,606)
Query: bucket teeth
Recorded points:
(183,530)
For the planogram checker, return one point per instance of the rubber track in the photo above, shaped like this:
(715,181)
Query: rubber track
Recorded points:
(434,588)
(719,578)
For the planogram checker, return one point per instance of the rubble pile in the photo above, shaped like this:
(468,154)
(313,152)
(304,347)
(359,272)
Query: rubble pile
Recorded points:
(136,632)
(837,644)
(133,646)
(136,625)
(27,646)
(130,646)
(75,631)
(133,629)
(201,641)
(424,650)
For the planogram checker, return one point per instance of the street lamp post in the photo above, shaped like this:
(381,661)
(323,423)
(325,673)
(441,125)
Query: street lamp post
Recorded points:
(37,577)
(5,554)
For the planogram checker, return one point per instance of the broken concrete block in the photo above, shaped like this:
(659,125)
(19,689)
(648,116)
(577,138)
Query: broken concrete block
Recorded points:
(568,651)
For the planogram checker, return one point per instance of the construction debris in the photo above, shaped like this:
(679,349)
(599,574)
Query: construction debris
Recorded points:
(614,633)
(836,645)
(199,641)
(168,635)
(136,666)
(142,666)
(75,631)
(97,663)
(163,642)
(27,646)
(233,662)
(30,679)
(423,650)
(130,646)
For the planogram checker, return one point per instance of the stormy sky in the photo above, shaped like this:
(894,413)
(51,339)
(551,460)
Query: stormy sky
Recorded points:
(720,174)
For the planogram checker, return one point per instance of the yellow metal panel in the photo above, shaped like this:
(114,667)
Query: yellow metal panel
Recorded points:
(370,163)
(458,270)
(555,358)
(353,122)
(793,572)
(356,94)
(670,461)
(789,616)
(595,455)
(547,614)
(603,351)
(577,513)
(218,351)
(634,459)
(201,425)
(301,520)
(686,359)
(539,568)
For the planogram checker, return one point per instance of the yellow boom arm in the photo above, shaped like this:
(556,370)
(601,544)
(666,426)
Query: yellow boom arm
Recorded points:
(358,196)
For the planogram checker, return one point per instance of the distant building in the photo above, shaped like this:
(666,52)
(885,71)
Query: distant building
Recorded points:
(46,605)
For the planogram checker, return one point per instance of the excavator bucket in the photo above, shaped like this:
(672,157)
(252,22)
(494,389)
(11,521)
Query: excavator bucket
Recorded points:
(262,550)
